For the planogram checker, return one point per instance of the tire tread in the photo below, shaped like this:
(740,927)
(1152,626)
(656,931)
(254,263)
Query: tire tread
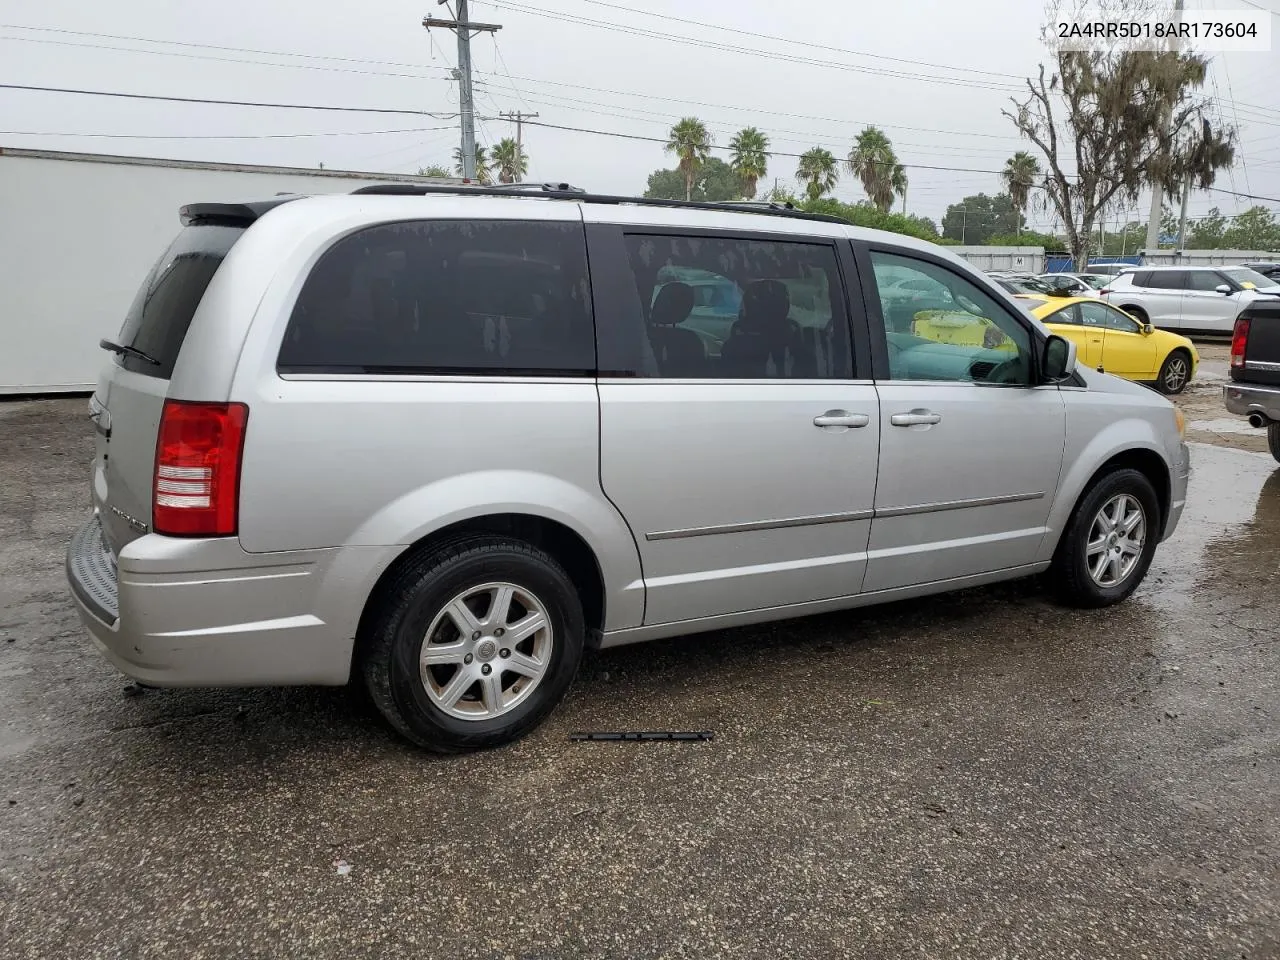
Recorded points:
(394,601)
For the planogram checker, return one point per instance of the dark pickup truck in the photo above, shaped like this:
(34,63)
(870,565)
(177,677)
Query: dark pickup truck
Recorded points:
(1254,388)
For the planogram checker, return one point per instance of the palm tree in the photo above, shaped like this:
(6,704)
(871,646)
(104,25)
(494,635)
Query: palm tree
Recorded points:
(1020,173)
(818,171)
(691,143)
(434,170)
(750,157)
(873,161)
(484,175)
(509,161)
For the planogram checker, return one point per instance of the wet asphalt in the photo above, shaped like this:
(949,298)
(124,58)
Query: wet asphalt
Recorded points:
(980,775)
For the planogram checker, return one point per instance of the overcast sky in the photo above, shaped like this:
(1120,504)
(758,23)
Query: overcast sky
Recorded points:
(941,108)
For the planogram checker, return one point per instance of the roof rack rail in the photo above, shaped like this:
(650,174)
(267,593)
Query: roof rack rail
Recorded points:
(564,191)
(489,189)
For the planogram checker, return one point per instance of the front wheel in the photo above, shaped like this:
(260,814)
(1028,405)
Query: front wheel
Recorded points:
(1175,372)
(474,645)
(1109,541)
(1273,439)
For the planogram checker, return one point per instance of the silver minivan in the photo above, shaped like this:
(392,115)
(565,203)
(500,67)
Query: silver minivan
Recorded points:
(441,439)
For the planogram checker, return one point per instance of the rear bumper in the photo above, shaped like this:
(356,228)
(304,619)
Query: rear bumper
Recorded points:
(1245,398)
(180,613)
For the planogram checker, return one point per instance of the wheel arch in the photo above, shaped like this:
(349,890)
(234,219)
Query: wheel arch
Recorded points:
(1080,479)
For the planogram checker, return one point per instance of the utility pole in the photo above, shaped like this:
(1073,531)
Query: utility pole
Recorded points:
(466,102)
(1206,132)
(518,118)
(1157,192)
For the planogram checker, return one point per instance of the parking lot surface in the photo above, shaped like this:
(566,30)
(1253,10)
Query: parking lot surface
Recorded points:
(976,775)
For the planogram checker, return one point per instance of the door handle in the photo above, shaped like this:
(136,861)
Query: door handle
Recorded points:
(841,418)
(915,418)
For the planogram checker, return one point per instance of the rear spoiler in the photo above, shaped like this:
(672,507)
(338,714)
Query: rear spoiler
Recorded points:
(230,214)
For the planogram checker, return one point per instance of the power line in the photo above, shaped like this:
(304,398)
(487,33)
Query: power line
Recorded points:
(1246,196)
(663,140)
(806,43)
(447,71)
(209,136)
(753,51)
(230,103)
(202,56)
(612,110)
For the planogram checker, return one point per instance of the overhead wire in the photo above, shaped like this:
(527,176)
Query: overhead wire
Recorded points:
(753,51)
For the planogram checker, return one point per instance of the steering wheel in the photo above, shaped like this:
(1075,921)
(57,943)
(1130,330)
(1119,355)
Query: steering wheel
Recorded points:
(1007,371)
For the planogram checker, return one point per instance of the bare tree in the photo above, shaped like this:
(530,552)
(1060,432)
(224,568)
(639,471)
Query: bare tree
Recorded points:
(1126,119)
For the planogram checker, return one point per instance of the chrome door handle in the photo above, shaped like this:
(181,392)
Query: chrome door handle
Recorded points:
(841,418)
(915,418)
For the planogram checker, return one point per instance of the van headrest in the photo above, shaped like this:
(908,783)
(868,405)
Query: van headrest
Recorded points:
(672,306)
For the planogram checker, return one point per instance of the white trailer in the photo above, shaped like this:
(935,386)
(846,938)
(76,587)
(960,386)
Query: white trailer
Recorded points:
(78,234)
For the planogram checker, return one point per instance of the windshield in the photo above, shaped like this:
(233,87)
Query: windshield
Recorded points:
(1251,278)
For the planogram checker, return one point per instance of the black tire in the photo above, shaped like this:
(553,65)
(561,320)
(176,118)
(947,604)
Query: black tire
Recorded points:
(1175,372)
(1273,439)
(1137,313)
(1070,574)
(406,608)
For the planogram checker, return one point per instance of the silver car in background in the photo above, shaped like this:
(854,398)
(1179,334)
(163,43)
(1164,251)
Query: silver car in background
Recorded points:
(440,440)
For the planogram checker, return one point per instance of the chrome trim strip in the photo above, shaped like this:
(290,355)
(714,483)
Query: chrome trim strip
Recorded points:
(854,515)
(761,525)
(1262,365)
(956,504)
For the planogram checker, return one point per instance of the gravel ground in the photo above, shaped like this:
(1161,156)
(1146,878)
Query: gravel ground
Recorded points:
(982,775)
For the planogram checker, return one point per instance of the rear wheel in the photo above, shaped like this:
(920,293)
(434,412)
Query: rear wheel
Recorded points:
(1109,541)
(474,645)
(1175,372)
(1273,439)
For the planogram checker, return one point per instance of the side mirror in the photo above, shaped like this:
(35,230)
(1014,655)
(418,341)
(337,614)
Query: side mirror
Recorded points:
(1223,289)
(1058,360)
(1148,329)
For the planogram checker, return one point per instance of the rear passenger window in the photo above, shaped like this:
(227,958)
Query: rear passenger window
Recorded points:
(725,308)
(480,297)
(161,313)
(1166,280)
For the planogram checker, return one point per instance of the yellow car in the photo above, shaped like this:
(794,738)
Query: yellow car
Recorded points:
(1111,339)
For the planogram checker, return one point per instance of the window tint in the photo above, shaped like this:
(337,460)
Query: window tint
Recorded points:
(1067,315)
(447,297)
(1165,280)
(958,334)
(161,313)
(740,309)
(1247,277)
(1205,281)
(1100,315)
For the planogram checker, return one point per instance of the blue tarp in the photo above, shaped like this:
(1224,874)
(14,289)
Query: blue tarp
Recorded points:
(1067,265)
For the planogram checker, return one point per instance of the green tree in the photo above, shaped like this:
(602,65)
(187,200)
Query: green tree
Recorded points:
(484,175)
(818,171)
(1019,176)
(509,161)
(864,214)
(976,219)
(873,161)
(1207,232)
(434,170)
(691,143)
(714,181)
(749,151)
(1027,238)
(1255,229)
(1120,120)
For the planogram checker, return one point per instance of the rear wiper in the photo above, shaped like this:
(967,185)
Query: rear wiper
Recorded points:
(125,351)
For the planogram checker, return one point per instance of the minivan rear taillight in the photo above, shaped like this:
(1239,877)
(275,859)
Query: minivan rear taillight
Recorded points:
(197,476)
(1239,341)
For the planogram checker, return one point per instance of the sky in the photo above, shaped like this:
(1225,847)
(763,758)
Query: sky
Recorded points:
(934,75)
